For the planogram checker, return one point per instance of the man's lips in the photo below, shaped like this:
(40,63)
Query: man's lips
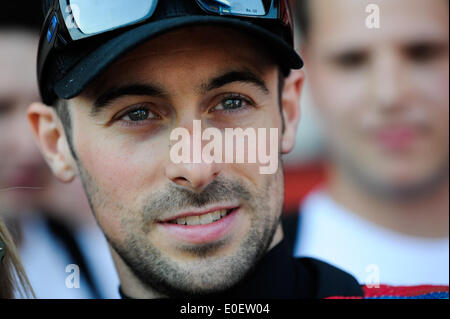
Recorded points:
(196,231)
(396,137)
(228,209)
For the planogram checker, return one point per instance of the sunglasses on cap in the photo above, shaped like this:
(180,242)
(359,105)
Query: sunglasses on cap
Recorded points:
(68,21)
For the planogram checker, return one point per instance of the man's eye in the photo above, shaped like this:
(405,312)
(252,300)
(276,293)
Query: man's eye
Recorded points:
(231,104)
(351,60)
(424,52)
(5,107)
(139,114)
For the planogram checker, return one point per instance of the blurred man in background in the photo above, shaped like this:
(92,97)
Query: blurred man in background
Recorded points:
(21,163)
(52,222)
(382,94)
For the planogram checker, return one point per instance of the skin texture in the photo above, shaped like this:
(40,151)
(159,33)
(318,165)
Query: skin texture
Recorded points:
(383,97)
(132,183)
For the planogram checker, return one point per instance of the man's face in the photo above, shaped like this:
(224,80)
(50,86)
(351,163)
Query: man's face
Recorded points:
(383,93)
(121,129)
(21,164)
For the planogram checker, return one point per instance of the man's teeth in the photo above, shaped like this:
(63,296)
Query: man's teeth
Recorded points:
(203,219)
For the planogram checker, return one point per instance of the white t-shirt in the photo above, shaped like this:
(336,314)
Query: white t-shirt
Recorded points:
(45,260)
(371,253)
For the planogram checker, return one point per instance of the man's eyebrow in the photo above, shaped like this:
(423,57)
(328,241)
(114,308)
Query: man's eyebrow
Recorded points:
(235,76)
(128,90)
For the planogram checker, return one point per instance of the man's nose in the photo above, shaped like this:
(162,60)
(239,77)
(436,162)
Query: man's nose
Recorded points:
(390,81)
(193,174)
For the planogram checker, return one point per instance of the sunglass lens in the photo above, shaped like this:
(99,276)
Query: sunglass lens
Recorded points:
(95,16)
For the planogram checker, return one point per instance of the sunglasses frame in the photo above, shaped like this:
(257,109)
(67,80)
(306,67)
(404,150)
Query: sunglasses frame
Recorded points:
(2,250)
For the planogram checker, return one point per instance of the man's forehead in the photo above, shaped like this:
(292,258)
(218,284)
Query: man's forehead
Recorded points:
(335,22)
(195,51)
(17,63)
(18,48)
(198,38)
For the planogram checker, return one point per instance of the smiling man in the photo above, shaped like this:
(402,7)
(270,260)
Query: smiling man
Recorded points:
(113,92)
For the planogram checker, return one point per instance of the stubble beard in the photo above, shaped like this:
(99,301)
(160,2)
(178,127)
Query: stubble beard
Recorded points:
(207,274)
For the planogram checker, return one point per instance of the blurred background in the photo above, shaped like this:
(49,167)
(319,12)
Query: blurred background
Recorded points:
(370,169)
(51,222)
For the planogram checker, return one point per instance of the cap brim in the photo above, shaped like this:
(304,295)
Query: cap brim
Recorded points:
(96,62)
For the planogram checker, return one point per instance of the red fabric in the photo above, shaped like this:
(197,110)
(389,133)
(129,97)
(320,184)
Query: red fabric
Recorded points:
(402,291)
(338,297)
(396,291)
(299,181)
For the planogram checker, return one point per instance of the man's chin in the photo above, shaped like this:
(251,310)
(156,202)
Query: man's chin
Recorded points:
(205,251)
(201,282)
(201,271)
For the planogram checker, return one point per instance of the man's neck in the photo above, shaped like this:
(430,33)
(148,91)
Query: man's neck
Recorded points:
(130,286)
(423,216)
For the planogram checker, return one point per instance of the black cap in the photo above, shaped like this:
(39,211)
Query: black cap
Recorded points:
(70,70)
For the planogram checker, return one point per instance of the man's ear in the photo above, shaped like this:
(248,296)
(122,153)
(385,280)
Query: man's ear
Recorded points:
(49,134)
(291,109)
